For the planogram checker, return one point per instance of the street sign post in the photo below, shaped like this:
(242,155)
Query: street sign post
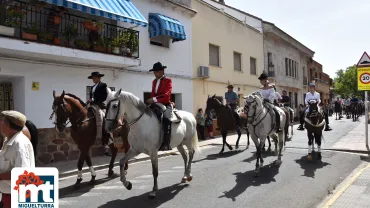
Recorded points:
(363,84)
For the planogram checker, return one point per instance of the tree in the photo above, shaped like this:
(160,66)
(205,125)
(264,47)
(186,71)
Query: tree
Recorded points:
(346,82)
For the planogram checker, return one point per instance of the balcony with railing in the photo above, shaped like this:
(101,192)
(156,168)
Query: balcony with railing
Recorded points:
(57,26)
(305,81)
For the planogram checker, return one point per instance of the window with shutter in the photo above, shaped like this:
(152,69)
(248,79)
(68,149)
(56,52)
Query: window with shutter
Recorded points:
(237,61)
(214,55)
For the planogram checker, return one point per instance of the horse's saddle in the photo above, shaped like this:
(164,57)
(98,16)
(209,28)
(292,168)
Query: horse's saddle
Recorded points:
(270,106)
(159,109)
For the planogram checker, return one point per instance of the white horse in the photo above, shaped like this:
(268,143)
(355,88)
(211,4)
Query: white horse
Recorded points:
(260,126)
(145,131)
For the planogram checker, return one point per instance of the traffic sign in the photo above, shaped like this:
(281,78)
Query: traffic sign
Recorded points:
(364,61)
(363,78)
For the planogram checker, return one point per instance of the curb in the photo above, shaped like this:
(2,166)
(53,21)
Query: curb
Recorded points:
(116,164)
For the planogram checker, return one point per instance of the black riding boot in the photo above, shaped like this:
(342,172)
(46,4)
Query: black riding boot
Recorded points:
(327,128)
(278,129)
(301,121)
(166,142)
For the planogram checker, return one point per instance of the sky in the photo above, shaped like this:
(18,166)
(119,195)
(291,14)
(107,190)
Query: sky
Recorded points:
(337,30)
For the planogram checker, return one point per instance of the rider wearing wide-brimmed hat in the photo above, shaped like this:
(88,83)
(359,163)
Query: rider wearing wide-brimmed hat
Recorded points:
(313,95)
(231,97)
(268,93)
(161,93)
(98,96)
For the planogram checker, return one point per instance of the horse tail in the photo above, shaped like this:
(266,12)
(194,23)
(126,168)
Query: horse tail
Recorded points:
(195,142)
(34,135)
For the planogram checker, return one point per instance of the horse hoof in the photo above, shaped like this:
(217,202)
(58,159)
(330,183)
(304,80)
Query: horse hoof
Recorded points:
(309,157)
(151,195)
(278,162)
(183,180)
(222,151)
(78,181)
(237,147)
(230,148)
(190,178)
(319,156)
(247,146)
(257,174)
(110,173)
(129,185)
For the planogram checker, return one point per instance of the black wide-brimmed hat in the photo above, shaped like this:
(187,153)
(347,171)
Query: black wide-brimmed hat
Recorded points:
(263,76)
(95,74)
(230,86)
(158,67)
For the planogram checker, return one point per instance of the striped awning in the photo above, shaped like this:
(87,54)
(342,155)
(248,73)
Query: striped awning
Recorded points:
(121,10)
(163,25)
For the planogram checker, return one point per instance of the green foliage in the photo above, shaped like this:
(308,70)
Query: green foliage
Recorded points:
(346,82)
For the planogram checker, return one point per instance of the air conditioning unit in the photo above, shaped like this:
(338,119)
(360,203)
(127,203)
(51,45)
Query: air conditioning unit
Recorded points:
(203,72)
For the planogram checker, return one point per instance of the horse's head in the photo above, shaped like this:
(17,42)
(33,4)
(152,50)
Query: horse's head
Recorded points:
(212,103)
(62,111)
(251,105)
(112,114)
(314,112)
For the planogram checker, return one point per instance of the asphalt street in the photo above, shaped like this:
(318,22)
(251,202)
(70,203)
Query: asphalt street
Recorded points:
(225,181)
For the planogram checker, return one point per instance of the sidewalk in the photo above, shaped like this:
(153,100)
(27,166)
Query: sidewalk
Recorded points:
(353,140)
(354,191)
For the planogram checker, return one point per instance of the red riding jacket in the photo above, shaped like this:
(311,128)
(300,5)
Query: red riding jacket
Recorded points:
(163,94)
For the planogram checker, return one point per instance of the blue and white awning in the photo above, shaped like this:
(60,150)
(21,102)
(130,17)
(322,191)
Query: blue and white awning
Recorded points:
(163,25)
(121,10)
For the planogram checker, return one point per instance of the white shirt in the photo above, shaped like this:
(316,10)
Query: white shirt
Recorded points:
(93,89)
(156,88)
(314,96)
(16,152)
(268,94)
(278,96)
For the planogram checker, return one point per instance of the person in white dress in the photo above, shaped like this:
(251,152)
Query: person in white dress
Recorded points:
(268,94)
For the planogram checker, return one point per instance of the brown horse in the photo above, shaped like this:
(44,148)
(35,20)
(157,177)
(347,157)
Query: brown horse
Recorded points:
(30,130)
(227,120)
(83,130)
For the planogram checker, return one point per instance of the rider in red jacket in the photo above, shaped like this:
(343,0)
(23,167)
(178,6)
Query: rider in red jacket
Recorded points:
(161,93)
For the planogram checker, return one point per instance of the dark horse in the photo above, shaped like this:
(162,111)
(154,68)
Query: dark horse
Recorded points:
(83,131)
(227,120)
(355,111)
(314,123)
(30,130)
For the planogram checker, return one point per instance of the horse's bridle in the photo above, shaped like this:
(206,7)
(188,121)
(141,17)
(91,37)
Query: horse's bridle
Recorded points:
(118,112)
(62,105)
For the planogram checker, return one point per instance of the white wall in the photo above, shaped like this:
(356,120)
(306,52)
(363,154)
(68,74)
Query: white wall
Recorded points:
(249,20)
(178,56)
(74,80)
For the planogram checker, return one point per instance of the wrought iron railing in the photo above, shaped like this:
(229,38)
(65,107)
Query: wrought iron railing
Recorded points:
(305,82)
(57,26)
(271,73)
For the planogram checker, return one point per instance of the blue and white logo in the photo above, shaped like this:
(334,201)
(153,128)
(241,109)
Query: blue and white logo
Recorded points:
(35,187)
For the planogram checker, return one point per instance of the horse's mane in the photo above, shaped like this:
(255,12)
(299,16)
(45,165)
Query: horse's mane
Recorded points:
(136,102)
(77,98)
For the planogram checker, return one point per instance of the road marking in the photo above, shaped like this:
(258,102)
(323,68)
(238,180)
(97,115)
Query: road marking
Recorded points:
(343,189)
(108,187)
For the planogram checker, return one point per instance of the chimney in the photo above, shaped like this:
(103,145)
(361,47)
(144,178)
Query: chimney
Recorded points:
(222,1)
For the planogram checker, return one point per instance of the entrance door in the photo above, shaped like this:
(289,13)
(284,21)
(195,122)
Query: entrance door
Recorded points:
(6,97)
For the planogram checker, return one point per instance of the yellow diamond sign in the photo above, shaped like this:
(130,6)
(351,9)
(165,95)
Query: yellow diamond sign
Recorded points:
(363,78)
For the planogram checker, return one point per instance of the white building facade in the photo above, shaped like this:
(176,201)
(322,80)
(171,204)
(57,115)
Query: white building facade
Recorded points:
(30,71)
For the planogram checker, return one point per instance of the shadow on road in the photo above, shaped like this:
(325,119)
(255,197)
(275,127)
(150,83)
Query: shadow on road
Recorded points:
(71,191)
(365,158)
(217,155)
(268,153)
(310,167)
(163,195)
(247,179)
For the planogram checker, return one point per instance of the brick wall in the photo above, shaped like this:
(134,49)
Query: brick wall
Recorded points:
(54,146)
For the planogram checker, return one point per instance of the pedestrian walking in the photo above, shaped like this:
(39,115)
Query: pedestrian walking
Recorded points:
(209,124)
(200,123)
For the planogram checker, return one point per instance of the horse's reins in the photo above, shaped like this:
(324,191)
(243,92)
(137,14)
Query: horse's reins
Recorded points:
(255,117)
(129,124)
(69,120)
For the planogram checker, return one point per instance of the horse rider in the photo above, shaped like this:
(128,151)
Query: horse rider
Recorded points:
(277,96)
(98,96)
(354,100)
(313,95)
(231,97)
(348,105)
(161,93)
(268,94)
(285,99)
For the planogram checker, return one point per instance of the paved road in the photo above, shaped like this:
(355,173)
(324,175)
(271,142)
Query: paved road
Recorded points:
(226,181)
